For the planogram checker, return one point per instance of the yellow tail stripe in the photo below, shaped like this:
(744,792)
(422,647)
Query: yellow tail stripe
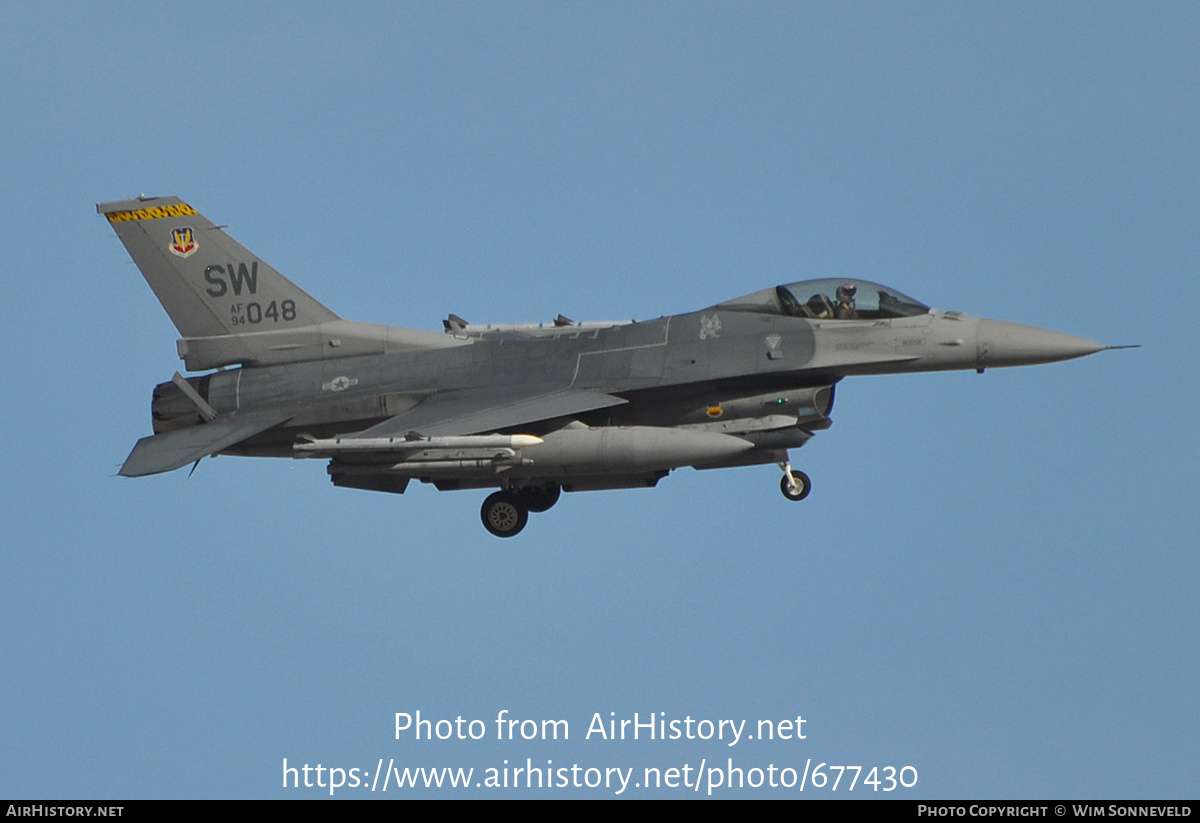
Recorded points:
(178,210)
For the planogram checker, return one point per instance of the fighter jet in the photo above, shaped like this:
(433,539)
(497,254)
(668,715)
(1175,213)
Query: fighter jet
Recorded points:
(531,410)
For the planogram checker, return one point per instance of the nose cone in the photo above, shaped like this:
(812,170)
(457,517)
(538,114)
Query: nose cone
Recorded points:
(1011,344)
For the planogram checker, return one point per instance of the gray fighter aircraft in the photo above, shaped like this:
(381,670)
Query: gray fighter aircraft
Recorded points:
(529,409)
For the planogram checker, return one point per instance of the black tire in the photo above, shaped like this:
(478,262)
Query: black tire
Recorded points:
(504,514)
(540,498)
(805,486)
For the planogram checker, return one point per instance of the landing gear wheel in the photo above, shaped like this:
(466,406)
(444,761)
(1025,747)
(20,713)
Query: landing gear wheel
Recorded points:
(803,486)
(504,514)
(540,498)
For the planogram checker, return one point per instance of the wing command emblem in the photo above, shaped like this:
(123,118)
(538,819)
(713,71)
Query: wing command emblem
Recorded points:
(183,242)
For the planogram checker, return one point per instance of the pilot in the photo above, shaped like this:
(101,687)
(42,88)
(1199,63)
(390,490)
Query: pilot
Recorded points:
(845,308)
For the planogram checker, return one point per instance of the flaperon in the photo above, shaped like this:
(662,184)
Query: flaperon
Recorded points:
(529,409)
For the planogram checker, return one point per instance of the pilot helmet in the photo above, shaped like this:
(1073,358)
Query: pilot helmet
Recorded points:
(846,292)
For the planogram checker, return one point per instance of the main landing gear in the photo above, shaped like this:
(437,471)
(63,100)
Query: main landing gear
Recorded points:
(505,513)
(794,484)
(540,498)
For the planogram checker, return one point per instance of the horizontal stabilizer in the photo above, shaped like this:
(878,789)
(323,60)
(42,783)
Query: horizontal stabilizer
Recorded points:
(487,410)
(170,451)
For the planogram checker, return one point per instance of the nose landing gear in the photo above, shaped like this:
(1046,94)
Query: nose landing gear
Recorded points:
(794,484)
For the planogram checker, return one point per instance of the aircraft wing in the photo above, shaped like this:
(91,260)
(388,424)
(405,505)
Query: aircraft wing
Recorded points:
(473,411)
(169,451)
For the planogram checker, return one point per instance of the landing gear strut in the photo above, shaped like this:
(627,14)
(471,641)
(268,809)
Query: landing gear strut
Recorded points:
(795,484)
(504,514)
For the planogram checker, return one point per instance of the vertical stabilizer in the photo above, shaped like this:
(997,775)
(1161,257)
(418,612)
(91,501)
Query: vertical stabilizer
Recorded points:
(210,284)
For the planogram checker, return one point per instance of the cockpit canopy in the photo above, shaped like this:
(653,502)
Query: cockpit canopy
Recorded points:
(831,300)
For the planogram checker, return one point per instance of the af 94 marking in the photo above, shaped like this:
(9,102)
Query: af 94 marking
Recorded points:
(253,313)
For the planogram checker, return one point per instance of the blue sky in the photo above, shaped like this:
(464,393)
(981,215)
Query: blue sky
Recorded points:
(993,581)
